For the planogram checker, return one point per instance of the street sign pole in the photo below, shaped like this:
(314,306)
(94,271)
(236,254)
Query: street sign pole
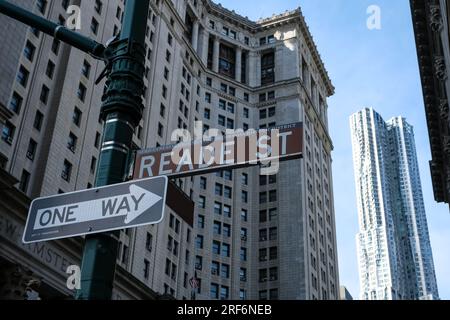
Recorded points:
(122,112)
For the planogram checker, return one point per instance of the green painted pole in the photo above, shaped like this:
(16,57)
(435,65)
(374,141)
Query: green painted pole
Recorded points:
(122,111)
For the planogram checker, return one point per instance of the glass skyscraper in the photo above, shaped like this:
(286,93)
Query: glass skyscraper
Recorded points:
(394,252)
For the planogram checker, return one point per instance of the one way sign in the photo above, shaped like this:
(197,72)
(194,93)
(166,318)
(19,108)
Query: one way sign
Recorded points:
(119,206)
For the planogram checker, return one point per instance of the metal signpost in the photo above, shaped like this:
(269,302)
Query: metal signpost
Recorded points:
(119,206)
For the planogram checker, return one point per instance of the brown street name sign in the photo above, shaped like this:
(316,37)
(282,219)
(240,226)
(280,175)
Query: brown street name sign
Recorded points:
(240,149)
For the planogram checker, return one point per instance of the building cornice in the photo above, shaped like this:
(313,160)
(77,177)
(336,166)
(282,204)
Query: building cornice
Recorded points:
(288,17)
(428,24)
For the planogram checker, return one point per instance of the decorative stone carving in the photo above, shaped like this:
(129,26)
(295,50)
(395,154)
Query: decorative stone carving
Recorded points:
(439,68)
(435,18)
(443,109)
(446,143)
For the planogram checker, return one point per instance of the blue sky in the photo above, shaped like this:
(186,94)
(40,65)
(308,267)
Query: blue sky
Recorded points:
(369,68)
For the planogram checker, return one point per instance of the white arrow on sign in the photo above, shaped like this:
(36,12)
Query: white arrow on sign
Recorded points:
(130,205)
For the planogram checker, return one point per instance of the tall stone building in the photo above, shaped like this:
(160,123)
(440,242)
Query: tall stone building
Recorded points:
(254,237)
(394,250)
(431,20)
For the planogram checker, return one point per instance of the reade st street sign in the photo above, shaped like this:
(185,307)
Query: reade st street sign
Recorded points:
(233,151)
(118,206)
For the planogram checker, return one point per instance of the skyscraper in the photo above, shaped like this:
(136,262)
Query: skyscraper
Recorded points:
(256,237)
(394,251)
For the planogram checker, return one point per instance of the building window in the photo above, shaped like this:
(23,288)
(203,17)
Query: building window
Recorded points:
(243,234)
(98,6)
(227,211)
(97,140)
(86,70)
(217,208)
(246,113)
(202,201)
(55,46)
(203,183)
(243,254)
(262,235)
(168,55)
(272,214)
(41,5)
(263,197)
(227,58)
(81,92)
(244,196)
(208,97)
(207,113)
(199,242)
(8,132)
(198,263)
(219,189)
(272,195)
(146,268)
(224,293)
(94,26)
(216,247)
(32,146)
(268,68)
(273,294)
(221,121)
(67,171)
(226,230)
(214,294)
(38,119)
(160,130)
(93,164)
(225,250)
(149,242)
(217,228)
(225,271)
(201,221)
(271,112)
(230,123)
(44,94)
(22,76)
(262,275)
(227,192)
(273,233)
(244,215)
(262,216)
(273,253)
(273,274)
(72,142)
(262,255)
(24,181)
(29,50)
(215,268)
(16,103)
(262,114)
(244,179)
(50,69)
